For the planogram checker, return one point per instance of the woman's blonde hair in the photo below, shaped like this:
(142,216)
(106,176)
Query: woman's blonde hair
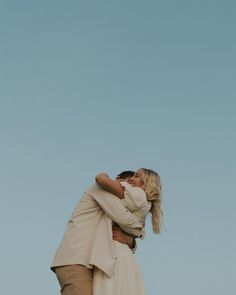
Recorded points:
(152,188)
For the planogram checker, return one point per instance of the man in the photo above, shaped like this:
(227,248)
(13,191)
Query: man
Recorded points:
(87,241)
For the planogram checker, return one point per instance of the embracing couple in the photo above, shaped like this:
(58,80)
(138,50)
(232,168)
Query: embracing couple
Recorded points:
(95,256)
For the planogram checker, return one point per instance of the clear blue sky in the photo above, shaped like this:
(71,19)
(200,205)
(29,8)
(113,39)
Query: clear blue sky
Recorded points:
(91,86)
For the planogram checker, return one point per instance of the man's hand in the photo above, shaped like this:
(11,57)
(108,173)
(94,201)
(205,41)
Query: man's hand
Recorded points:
(120,236)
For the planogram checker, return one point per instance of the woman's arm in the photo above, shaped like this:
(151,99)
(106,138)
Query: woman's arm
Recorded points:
(110,185)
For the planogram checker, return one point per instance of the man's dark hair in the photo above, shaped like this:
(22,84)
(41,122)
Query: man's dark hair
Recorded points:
(125,174)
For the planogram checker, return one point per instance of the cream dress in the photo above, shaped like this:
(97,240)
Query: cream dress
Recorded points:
(127,279)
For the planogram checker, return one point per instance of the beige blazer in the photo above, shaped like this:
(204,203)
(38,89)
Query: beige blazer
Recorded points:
(88,237)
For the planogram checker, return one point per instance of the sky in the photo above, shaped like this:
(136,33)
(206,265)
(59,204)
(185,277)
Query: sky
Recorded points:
(105,86)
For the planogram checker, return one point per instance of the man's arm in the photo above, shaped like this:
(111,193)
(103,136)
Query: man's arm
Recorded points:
(114,187)
(122,237)
(116,211)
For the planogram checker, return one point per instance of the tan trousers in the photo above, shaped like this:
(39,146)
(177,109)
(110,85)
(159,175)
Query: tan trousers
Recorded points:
(75,279)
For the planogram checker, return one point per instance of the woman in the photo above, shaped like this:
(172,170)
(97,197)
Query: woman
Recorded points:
(141,196)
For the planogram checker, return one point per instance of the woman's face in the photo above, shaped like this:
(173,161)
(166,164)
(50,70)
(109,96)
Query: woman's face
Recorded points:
(136,180)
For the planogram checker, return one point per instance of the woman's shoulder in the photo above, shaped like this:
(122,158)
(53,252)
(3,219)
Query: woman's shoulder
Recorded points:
(134,197)
(133,189)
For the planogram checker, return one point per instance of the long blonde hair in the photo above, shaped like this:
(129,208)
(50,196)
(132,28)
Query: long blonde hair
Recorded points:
(152,188)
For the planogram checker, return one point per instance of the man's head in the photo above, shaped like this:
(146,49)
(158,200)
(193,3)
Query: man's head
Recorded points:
(125,175)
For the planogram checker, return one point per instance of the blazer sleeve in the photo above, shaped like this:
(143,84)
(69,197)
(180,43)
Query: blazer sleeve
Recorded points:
(115,210)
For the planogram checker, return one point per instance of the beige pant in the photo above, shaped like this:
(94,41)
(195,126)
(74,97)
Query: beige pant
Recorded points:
(75,279)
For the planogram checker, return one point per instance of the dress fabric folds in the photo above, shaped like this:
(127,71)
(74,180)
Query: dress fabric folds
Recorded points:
(127,279)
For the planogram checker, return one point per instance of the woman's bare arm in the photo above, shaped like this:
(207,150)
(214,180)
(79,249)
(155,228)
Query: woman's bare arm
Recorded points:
(110,185)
